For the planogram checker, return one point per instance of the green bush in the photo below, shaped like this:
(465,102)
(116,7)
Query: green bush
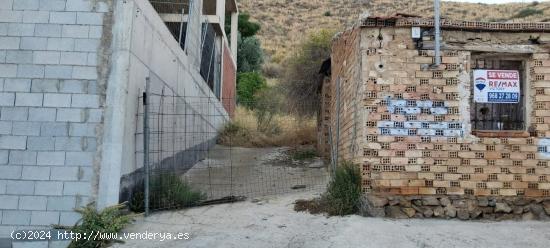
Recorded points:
(528,12)
(167,190)
(327,13)
(344,191)
(248,84)
(108,221)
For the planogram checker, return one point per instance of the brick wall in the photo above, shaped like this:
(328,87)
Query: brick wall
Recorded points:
(417,136)
(50,109)
(229,81)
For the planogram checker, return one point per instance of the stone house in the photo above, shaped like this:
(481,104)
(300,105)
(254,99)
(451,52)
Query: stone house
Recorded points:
(71,73)
(468,138)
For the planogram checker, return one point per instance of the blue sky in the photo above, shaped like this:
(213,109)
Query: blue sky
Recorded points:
(494,1)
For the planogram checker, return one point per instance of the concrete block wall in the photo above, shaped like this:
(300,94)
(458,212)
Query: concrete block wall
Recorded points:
(418,139)
(51,105)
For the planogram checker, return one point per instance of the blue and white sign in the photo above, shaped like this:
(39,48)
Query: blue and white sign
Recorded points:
(496,86)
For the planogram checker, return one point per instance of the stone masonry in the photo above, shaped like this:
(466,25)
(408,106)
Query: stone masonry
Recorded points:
(408,124)
(51,98)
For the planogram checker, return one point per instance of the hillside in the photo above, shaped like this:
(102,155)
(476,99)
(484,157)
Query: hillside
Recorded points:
(284,22)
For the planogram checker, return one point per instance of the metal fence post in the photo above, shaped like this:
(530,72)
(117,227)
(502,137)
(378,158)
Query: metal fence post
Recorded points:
(146,143)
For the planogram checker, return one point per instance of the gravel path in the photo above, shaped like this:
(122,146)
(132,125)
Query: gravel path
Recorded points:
(271,222)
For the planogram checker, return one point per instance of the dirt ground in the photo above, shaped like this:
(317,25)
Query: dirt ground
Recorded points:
(253,172)
(272,222)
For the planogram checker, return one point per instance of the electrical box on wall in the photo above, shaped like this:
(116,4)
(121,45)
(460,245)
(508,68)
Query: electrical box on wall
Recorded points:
(416,32)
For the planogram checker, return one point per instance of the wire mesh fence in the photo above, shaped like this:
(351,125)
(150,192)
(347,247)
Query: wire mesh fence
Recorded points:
(194,153)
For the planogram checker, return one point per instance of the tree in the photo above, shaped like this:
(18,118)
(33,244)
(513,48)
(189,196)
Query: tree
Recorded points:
(249,83)
(302,79)
(250,55)
(246,27)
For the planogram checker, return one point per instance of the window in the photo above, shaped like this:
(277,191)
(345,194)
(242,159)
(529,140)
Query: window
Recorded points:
(498,116)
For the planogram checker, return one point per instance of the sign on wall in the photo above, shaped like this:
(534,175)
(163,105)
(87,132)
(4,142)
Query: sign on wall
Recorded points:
(496,86)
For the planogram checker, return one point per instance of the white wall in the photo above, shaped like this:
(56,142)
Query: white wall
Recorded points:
(144,47)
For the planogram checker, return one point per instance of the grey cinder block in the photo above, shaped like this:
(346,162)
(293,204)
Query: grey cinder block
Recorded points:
(26,4)
(44,218)
(63,17)
(59,71)
(34,43)
(9,43)
(89,18)
(42,114)
(13,143)
(57,100)
(48,188)
(64,173)
(46,57)
(60,44)
(73,86)
(26,128)
(54,129)
(74,58)
(51,158)
(30,71)
(85,101)
(22,158)
(32,202)
(77,188)
(19,57)
(7,70)
(69,218)
(28,99)
(36,173)
(17,85)
(41,143)
(14,113)
(61,203)
(9,201)
(75,31)
(16,217)
(70,115)
(10,172)
(45,85)
(56,5)
(7,99)
(82,130)
(20,187)
(80,158)
(47,30)
(36,16)
(21,29)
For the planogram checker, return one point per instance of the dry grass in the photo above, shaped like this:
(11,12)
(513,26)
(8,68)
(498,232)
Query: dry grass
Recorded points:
(287,131)
(284,22)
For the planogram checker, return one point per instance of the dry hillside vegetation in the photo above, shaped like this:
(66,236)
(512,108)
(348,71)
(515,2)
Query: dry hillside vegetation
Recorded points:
(284,22)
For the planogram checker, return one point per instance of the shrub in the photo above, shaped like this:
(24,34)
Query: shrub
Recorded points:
(267,105)
(344,191)
(327,13)
(248,83)
(302,79)
(167,190)
(250,54)
(528,12)
(108,221)
(272,70)
(342,196)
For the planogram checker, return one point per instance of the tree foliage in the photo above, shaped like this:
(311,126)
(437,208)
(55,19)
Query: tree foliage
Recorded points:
(246,27)
(249,83)
(302,79)
(250,55)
